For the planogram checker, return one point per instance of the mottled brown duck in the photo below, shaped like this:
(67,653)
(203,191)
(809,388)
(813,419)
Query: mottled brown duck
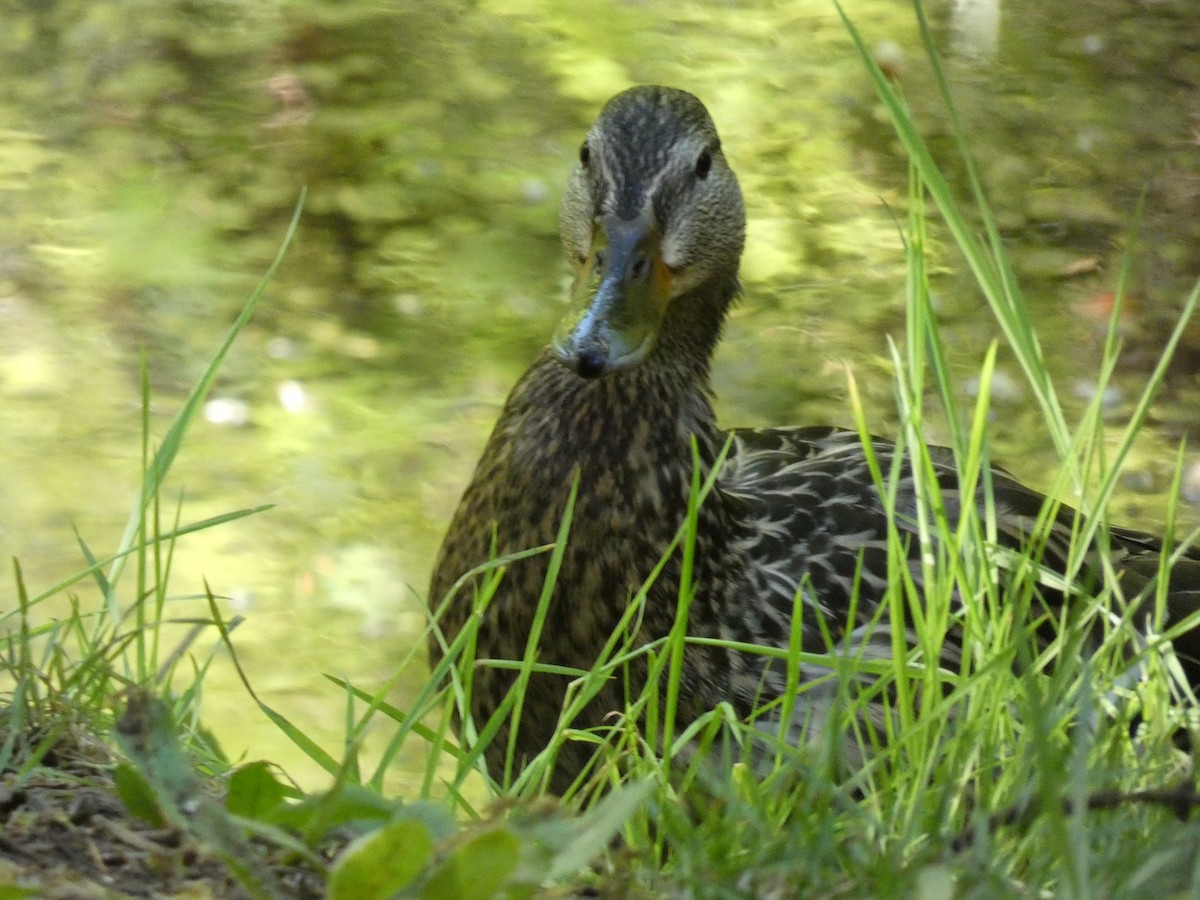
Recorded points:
(620,401)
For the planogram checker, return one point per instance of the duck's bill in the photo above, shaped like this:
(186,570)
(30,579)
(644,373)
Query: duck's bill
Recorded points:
(619,298)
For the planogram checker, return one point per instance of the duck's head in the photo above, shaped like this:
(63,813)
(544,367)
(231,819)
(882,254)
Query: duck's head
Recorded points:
(652,217)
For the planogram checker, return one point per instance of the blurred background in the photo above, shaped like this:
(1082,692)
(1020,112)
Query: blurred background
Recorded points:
(151,153)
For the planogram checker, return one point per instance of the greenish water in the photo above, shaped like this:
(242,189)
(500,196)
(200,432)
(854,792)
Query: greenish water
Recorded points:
(150,155)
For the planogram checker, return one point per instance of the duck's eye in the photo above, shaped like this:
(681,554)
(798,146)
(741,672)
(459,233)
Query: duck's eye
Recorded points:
(703,164)
(585,153)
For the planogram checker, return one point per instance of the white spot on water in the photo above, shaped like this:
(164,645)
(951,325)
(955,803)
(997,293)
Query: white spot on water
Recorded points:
(228,412)
(293,397)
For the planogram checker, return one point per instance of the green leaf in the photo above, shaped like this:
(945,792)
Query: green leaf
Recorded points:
(478,869)
(586,838)
(137,795)
(17,892)
(434,815)
(377,865)
(343,804)
(254,792)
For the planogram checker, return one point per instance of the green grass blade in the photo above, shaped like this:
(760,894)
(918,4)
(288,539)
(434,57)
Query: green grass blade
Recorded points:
(162,460)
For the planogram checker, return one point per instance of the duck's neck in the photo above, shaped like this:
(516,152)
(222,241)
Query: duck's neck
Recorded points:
(639,420)
(693,325)
(618,428)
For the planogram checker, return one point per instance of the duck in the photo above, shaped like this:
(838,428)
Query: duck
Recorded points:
(614,420)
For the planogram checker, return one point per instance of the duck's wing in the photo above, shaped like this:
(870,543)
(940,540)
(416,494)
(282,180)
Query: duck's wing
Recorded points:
(813,519)
(816,523)
(1139,559)
(813,526)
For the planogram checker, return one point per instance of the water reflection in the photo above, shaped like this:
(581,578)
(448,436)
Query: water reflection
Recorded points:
(147,178)
(975,28)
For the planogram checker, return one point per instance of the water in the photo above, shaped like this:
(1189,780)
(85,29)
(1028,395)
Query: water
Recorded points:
(149,163)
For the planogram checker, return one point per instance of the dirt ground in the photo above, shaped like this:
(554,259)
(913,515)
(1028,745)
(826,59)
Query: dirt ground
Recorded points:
(66,835)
